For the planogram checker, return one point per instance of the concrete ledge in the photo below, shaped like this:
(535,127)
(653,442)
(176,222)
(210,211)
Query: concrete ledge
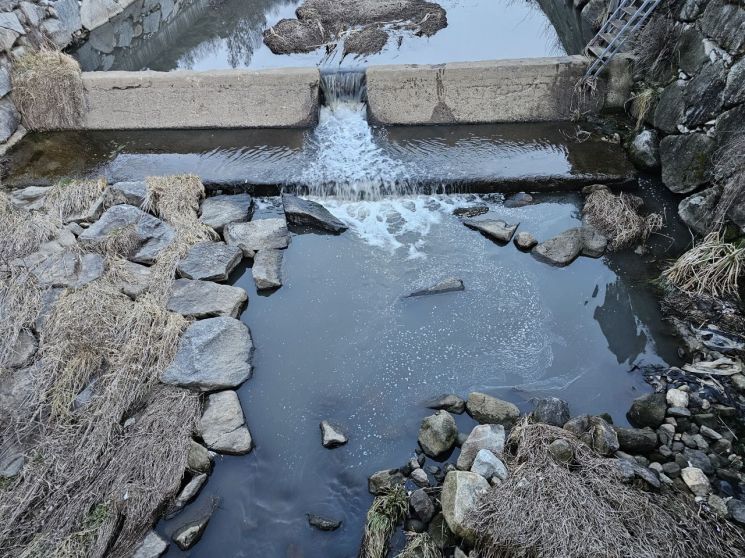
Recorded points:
(522,90)
(282,98)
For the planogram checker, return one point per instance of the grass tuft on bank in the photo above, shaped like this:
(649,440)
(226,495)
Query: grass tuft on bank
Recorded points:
(386,512)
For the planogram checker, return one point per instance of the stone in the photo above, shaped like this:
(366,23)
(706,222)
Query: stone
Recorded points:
(525,241)
(10,118)
(132,279)
(636,440)
(724,22)
(63,269)
(521,199)
(668,113)
(678,412)
(689,10)
(685,161)
(472,211)
(710,433)
(205,299)
(152,546)
(422,504)
(189,534)
(23,350)
(561,450)
(460,493)
(150,234)
(697,210)
(130,193)
(644,150)
(484,436)
(5,84)
(496,229)
(595,432)
(262,234)
(209,261)
(445,286)
(490,410)
(420,478)
(212,354)
(648,410)
(29,198)
(267,269)
(734,90)
(308,213)
(187,494)
(690,50)
(703,94)
(331,435)
(198,459)
(68,22)
(671,469)
(489,465)
(222,426)
(440,533)
(697,458)
(560,250)
(729,124)
(151,22)
(322,523)
(736,509)
(438,433)
(450,403)
(551,410)
(218,211)
(380,482)
(94,13)
(696,481)
(594,12)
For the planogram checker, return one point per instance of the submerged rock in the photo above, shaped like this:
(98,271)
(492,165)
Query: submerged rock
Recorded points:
(495,229)
(218,211)
(310,214)
(471,211)
(490,410)
(484,436)
(152,546)
(450,403)
(212,354)
(521,199)
(445,286)
(267,269)
(460,493)
(262,234)
(205,299)
(644,150)
(209,261)
(187,494)
(222,426)
(322,523)
(187,536)
(438,433)
(331,435)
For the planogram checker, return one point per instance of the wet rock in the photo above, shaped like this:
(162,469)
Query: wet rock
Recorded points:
(496,229)
(703,94)
(422,505)
(187,494)
(636,440)
(551,410)
(472,211)
(460,493)
(561,450)
(420,478)
(151,235)
(262,234)
(267,269)
(187,536)
(445,286)
(644,150)
(489,465)
(697,210)
(685,161)
(736,509)
(525,241)
(130,193)
(696,481)
(648,410)
(438,433)
(205,299)
(724,22)
(670,107)
(209,261)
(560,250)
(380,482)
(310,214)
(198,460)
(595,432)
(440,533)
(734,91)
(218,211)
(490,410)
(450,403)
(222,426)
(485,436)
(152,546)
(322,523)
(331,435)
(212,354)
(521,199)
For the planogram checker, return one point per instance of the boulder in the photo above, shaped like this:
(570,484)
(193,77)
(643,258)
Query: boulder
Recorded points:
(267,269)
(736,509)
(422,505)
(648,410)
(697,458)
(331,435)
(724,22)
(525,241)
(551,410)
(450,403)
(484,436)
(205,299)
(644,150)
(490,410)
(322,523)
(212,354)
(151,235)
(685,161)
(420,478)
(560,250)
(189,534)
(496,229)
(382,481)
(63,269)
(94,13)
(703,94)
(677,398)
(152,546)
(460,493)
(209,261)
(131,193)
(445,286)
(198,459)
(29,198)
(697,210)
(310,214)
(594,432)
(668,113)
(187,494)
(690,51)
(218,211)
(61,29)
(222,426)
(262,234)
(561,450)
(734,91)
(696,481)
(132,279)
(438,434)
(636,440)
(489,465)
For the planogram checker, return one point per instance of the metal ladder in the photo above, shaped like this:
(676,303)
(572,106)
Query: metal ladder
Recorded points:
(628,17)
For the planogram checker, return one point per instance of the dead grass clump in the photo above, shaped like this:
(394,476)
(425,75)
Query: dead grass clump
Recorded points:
(48,90)
(654,48)
(729,172)
(69,199)
(549,509)
(22,232)
(641,104)
(712,267)
(20,303)
(420,545)
(386,512)
(617,218)
(175,199)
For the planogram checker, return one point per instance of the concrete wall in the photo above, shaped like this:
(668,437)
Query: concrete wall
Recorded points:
(286,98)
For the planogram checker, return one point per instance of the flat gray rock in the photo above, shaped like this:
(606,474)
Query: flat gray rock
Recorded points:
(24,349)
(222,426)
(63,269)
(132,193)
(483,436)
(560,250)
(209,261)
(267,269)
(152,235)
(460,493)
(495,229)
(445,286)
(189,534)
(593,243)
(218,211)
(133,279)
(310,214)
(152,546)
(204,299)
(29,198)
(262,234)
(212,354)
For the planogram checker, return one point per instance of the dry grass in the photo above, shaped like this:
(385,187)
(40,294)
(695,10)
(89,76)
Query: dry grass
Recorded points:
(547,509)
(70,199)
(712,267)
(420,545)
(729,172)
(617,218)
(48,90)
(22,232)
(385,513)
(641,103)
(654,48)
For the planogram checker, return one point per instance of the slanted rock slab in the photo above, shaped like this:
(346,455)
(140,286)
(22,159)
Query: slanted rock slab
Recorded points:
(267,269)
(495,229)
(310,214)
(460,493)
(490,410)
(132,193)
(262,234)
(209,261)
(218,211)
(484,436)
(189,534)
(152,546)
(560,250)
(187,494)
(204,299)
(450,403)
(222,426)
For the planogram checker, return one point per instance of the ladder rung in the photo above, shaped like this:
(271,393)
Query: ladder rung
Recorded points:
(596,50)
(629,10)
(618,24)
(607,37)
